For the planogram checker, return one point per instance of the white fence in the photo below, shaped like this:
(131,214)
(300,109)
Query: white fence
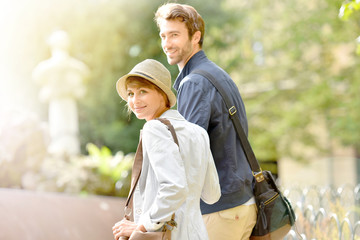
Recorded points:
(325,213)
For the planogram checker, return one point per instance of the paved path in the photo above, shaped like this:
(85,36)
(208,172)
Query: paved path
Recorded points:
(26,215)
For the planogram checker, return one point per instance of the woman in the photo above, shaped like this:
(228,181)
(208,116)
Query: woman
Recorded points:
(173,178)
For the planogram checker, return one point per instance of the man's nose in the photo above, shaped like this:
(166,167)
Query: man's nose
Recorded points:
(165,43)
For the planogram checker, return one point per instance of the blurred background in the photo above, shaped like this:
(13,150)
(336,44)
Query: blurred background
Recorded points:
(294,63)
(63,128)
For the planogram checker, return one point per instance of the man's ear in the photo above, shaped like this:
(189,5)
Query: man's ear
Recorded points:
(196,37)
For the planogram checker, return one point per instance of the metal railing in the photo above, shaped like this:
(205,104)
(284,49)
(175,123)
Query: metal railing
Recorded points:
(325,213)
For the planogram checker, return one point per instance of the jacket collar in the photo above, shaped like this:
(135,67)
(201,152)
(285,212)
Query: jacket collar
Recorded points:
(193,62)
(172,114)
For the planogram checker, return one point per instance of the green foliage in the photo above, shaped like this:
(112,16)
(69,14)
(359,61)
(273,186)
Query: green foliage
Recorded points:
(103,157)
(348,8)
(99,173)
(116,168)
(293,62)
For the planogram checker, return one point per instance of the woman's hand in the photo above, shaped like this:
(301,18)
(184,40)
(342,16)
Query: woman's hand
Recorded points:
(141,228)
(124,228)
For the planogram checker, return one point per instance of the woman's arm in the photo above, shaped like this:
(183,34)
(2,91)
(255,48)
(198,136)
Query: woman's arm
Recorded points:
(211,192)
(168,166)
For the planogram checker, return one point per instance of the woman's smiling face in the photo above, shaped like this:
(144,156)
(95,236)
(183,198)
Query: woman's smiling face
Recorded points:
(144,99)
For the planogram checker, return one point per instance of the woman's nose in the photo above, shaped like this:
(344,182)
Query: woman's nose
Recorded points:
(136,98)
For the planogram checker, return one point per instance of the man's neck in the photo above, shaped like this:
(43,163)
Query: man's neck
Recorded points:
(181,67)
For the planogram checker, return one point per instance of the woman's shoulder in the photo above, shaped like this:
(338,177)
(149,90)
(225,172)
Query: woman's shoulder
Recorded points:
(153,125)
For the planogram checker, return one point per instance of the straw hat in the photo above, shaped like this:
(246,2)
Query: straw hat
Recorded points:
(152,71)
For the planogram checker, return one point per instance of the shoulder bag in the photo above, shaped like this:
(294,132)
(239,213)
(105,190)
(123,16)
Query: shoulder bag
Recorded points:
(275,215)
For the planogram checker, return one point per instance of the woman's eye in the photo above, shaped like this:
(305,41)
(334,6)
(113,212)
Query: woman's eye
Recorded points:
(130,94)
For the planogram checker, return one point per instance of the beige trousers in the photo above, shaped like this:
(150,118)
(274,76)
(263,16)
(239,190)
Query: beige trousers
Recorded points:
(231,224)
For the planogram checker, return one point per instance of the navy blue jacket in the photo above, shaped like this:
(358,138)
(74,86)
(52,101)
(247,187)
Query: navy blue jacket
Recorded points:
(200,103)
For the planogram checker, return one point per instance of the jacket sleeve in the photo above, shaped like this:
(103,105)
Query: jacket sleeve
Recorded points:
(168,167)
(211,192)
(194,100)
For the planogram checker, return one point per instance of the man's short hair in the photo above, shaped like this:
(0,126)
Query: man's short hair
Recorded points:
(184,13)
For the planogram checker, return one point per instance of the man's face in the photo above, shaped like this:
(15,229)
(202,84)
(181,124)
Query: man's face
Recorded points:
(175,42)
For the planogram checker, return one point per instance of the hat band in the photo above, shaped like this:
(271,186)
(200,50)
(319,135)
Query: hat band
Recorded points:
(141,73)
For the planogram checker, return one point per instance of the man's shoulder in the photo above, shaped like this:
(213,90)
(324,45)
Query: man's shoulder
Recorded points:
(215,71)
(196,80)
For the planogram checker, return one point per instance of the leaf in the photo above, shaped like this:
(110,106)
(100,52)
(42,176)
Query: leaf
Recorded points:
(345,11)
(93,150)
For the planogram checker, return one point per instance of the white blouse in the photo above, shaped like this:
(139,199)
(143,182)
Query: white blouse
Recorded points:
(173,179)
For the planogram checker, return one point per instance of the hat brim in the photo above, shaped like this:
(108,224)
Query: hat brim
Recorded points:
(121,88)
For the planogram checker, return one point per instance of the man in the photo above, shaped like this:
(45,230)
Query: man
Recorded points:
(182,34)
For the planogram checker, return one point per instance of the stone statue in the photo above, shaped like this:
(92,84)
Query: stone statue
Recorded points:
(61,79)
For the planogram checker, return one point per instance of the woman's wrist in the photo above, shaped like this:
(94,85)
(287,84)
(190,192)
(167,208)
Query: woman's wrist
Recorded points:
(141,228)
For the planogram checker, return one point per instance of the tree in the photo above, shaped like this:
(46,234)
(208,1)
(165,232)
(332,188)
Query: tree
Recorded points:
(292,61)
(349,118)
